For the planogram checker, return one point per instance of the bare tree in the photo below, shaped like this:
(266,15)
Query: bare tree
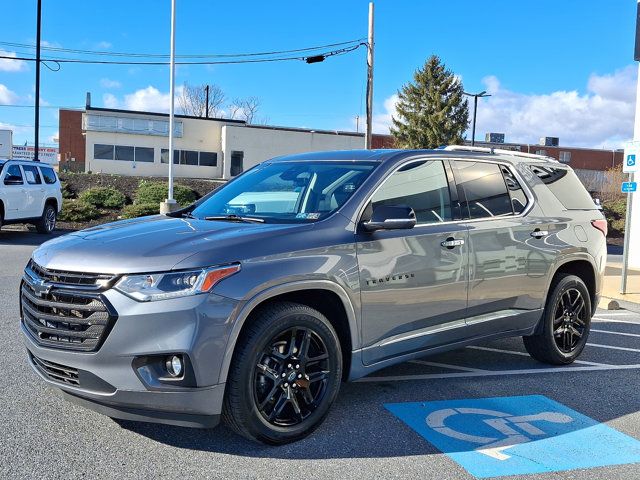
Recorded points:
(245,109)
(193,100)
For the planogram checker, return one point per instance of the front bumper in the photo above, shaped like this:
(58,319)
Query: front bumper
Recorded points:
(109,380)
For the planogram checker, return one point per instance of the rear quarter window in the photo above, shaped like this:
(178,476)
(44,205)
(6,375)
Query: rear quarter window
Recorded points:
(566,186)
(49,175)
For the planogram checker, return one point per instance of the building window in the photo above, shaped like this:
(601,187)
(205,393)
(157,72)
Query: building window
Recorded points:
(190,157)
(144,154)
(541,152)
(124,153)
(565,157)
(139,126)
(237,161)
(103,152)
(208,159)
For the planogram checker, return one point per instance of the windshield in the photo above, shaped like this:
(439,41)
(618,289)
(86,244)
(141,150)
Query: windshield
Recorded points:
(287,192)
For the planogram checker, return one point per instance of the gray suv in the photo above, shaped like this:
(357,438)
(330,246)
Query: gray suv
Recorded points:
(256,302)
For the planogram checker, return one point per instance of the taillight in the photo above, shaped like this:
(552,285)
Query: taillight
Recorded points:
(600,224)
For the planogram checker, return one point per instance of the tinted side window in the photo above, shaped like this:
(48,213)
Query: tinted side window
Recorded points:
(48,175)
(32,175)
(422,186)
(519,199)
(566,186)
(13,176)
(484,188)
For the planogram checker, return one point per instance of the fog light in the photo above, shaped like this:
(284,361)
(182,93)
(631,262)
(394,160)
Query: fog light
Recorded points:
(174,365)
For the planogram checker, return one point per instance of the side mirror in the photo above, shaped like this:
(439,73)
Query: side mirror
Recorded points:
(391,217)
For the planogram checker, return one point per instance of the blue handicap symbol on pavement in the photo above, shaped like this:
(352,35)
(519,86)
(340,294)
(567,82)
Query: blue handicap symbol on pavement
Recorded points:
(492,437)
(631,160)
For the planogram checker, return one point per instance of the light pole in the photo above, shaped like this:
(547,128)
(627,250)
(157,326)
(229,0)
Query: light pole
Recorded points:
(170,204)
(475,111)
(36,153)
(370,45)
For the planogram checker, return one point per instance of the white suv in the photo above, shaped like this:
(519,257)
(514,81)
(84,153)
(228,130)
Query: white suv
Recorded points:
(30,192)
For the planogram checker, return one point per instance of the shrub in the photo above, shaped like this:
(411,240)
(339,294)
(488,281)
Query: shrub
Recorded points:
(78,211)
(140,210)
(66,191)
(156,192)
(615,212)
(103,197)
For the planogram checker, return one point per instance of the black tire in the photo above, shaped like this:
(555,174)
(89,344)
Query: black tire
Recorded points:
(263,355)
(564,331)
(47,222)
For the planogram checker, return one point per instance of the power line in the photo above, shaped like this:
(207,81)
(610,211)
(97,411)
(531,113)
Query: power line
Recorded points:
(331,53)
(162,55)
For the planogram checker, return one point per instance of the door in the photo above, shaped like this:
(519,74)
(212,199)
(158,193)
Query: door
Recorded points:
(15,195)
(414,281)
(35,191)
(508,257)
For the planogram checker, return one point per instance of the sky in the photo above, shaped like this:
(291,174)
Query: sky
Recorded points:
(553,67)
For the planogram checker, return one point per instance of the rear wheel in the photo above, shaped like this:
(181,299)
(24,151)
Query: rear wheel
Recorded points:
(566,323)
(47,222)
(284,376)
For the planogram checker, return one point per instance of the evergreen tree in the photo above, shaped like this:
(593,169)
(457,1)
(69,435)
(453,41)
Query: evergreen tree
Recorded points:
(431,110)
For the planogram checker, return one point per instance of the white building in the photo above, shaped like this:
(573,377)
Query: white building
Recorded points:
(136,143)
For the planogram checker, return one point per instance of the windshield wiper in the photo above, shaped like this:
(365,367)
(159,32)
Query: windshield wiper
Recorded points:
(235,218)
(188,215)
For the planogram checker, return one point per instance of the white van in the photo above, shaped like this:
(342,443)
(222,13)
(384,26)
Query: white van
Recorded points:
(30,192)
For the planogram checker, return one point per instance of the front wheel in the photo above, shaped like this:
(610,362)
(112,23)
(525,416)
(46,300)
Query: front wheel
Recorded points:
(47,222)
(566,323)
(284,376)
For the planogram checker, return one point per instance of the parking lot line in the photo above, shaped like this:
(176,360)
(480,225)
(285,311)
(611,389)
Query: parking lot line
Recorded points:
(613,347)
(616,333)
(498,373)
(611,320)
(446,365)
(525,354)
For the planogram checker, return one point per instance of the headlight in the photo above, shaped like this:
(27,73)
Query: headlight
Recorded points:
(161,286)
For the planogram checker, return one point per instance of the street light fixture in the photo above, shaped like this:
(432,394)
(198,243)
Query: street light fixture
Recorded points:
(475,111)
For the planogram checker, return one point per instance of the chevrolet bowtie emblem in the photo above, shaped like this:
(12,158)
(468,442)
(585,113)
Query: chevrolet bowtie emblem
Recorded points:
(41,288)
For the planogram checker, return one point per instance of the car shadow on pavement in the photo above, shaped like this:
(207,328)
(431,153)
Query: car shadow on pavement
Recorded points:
(359,426)
(27,237)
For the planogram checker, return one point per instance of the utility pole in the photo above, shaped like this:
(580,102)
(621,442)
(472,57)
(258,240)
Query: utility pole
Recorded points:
(206,103)
(170,204)
(36,153)
(370,45)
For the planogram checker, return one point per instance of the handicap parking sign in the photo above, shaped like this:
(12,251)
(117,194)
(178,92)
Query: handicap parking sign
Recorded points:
(631,153)
(493,437)
(631,160)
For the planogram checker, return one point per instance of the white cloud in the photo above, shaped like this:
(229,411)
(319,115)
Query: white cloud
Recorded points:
(601,117)
(148,99)
(108,83)
(53,138)
(103,45)
(7,97)
(8,65)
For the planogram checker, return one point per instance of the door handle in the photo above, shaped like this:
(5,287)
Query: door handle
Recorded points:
(537,233)
(452,243)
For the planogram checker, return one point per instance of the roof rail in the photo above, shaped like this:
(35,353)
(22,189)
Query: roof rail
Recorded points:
(500,151)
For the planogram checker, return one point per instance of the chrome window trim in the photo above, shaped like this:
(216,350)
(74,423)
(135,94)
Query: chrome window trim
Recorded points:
(525,187)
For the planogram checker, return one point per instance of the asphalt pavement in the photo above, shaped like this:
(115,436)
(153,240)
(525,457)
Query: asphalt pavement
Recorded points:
(42,436)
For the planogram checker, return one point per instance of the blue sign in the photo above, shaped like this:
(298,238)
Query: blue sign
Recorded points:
(631,160)
(493,437)
(629,187)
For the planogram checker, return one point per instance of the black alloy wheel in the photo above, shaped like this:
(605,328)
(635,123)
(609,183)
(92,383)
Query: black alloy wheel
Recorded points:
(284,375)
(570,320)
(564,327)
(291,376)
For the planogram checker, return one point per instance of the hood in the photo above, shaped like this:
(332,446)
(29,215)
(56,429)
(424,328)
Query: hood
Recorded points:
(151,244)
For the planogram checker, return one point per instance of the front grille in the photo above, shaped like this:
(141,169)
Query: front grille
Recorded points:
(56,372)
(64,315)
(92,281)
